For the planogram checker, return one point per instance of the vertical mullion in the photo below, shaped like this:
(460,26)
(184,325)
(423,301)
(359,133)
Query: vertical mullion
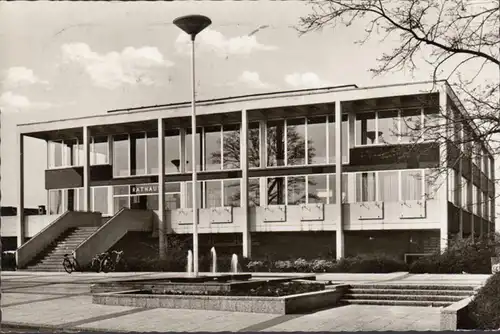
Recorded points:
(400,185)
(327,139)
(222,193)
(307,188)
(222,146)
(376,128)
(306,150)
(285,141)
(129,154)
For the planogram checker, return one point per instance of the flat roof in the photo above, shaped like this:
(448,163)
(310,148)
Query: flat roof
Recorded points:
(230,98)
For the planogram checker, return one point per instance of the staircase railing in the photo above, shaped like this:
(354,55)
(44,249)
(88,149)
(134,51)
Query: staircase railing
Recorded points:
(112,231)
(40,241)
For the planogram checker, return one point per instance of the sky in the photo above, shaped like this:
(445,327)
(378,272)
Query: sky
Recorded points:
(62,60)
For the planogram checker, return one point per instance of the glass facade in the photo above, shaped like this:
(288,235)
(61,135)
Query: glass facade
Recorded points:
(292,142)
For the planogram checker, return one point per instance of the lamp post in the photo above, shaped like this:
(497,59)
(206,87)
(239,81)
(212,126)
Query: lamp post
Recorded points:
(193,25)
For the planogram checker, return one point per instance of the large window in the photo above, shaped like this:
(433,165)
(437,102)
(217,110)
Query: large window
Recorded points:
(232,192)
(331,139)
(212,147)
(366,187)
(99,151)
(189,163)
(189,194)
(296,190)
(56,202)
(213,194)
(317,140)
(388,127)
(172,195)
(276,188)
(231,146)
(254,192)
(366,129)
(152,152)
(99,200)
(275,143)
(296,142)
(57,154)
(411,125)
(172,151)
(431,184)
(121,160)
(253,145)
(138,153)
(317,189)
(388,186)
(332,190)
(412,185)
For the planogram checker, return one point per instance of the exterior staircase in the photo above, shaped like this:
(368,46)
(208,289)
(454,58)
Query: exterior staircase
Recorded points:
(406,295)
(52,257)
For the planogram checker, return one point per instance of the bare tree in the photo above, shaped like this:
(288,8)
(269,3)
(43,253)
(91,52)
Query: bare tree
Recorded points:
(454,33)
(461,41)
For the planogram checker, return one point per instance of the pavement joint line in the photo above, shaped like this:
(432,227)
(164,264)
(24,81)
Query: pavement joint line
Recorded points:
(103,317)
(44,293)
(48,328)
(270,323)
(45,299)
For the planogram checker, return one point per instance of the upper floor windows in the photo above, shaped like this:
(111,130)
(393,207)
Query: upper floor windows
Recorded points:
(387,127)
(305,141)
(69,152)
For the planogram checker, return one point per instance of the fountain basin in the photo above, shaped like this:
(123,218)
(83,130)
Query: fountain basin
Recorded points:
(200,284)
(297,303)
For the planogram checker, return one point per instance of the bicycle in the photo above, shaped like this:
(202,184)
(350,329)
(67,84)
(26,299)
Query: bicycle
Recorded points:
(109,263)
(70,264)
(97,261)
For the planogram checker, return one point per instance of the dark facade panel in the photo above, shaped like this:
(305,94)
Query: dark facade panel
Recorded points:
(453,218)
(466,168)
(453,155)
(467,222)
(410,155)
(126,181)
(64,178)
(72,177)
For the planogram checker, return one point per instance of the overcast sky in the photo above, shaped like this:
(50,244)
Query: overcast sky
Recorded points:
(69,59)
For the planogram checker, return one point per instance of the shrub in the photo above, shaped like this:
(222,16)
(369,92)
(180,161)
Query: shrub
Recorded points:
(372,263)
(256,266)
(284,266)
(484,310)
(466,255)
(302,266)
(322,266)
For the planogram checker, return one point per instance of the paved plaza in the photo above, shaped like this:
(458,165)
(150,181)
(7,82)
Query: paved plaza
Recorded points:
(62,301)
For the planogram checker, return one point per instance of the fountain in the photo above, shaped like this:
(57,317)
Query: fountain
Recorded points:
(189,268)
(214,260)
(234,263)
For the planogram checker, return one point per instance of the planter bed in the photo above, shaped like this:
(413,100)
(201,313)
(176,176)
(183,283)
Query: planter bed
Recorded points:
(294,303)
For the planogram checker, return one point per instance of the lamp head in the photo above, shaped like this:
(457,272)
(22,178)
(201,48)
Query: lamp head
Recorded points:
(192,24)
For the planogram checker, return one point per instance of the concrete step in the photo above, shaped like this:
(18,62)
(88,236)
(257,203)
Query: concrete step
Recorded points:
(413,287)
(396,302)
(464,293)
(385,297)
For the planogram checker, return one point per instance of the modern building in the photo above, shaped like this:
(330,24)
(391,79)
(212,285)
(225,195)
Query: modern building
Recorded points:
(334,171)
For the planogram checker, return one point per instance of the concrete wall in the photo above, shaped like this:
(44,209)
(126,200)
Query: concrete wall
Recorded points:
(357,216)
(33,225)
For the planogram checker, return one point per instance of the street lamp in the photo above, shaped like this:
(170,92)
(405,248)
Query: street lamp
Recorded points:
(193,25)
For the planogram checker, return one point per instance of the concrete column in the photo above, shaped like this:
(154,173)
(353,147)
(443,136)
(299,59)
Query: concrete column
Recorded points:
(247,242)
(443,153)
(86,169)
(263,162)
(492,199)
(20,201)
(162,224)
(338,180)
